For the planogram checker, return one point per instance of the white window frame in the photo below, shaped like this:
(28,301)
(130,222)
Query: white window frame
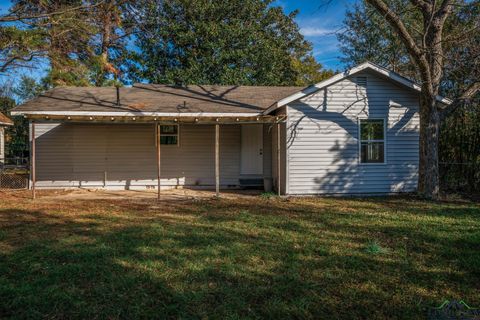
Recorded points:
(359,122)
(169,135)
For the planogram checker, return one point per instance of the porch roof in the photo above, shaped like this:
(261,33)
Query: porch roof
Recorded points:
(5,121)
(150,101)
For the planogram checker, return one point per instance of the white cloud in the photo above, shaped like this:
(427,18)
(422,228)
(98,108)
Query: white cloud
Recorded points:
(315,31)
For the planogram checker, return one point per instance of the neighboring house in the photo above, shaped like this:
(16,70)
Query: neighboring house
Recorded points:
(355,133)
(4,122)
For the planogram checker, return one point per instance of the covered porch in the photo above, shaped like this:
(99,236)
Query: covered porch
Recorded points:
(142,151)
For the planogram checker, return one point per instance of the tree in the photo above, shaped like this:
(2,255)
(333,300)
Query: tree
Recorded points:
(33,30)
(19,48)
(366,37)
(425,29)
(110,42)
(217,42)
(17,135)
(460,149)
(309,71)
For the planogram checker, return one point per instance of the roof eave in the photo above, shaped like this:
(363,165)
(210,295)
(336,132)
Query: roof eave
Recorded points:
(136,113)
(143,117)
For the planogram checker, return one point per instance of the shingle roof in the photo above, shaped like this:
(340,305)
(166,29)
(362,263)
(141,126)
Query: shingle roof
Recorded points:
(4,120)
(160,98)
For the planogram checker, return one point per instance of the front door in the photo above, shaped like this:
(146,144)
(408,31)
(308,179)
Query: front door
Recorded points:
(252,150)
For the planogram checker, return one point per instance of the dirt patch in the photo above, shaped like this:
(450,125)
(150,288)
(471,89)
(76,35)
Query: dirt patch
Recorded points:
(100,194)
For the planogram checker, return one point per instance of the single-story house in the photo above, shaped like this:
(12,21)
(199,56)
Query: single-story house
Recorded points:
(355,133)
(4,122)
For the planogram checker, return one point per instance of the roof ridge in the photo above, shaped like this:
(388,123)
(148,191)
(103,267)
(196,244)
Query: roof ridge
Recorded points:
(213,85)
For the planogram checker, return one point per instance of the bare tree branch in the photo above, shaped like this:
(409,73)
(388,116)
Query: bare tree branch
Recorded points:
(424,5)
(468,94)
(15,59)
(417,53)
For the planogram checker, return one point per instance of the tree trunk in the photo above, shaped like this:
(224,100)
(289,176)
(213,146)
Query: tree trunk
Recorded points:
(106,28)
(428,177)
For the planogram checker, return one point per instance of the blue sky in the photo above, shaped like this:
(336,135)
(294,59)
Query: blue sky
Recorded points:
(318,21)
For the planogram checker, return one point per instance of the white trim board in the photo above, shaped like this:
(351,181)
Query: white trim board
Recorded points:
(135,114)
(340,76)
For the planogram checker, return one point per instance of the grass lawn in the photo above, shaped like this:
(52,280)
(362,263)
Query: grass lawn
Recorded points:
(322,258)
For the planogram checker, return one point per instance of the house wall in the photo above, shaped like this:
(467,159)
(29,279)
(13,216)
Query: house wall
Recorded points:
(323,146)
(82,155)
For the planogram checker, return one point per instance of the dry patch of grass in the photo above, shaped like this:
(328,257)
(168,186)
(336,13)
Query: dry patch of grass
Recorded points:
(252,257)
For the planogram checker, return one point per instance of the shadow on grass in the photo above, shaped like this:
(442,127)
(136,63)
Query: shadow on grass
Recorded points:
(231,259)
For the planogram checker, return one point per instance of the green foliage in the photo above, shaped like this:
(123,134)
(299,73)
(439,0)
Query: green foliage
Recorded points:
(460,150)
(268,195)
(19,47)
(28,88)
(231,42)
(16,136)
(174,41)
(65,37)
(80,46)
(368,37)
(374,248)
(309,71)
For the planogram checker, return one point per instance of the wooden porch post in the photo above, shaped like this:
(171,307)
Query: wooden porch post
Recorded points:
(279,170)
(33,161)
(217,160)
(157,142)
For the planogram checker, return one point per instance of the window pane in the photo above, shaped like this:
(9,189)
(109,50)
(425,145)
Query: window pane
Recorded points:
(372,152)
(371,129)
(168,129)
(168,139)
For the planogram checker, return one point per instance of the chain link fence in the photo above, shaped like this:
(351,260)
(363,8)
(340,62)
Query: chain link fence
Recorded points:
(14,173)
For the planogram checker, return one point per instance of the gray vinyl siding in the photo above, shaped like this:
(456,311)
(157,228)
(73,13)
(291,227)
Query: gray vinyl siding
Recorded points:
(83,155)
(323,146)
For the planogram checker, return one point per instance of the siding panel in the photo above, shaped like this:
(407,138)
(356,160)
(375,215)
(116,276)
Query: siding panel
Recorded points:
(323,146)
(124,156)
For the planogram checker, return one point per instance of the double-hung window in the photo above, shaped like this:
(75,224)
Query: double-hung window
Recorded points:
(372,141)
(169,134)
